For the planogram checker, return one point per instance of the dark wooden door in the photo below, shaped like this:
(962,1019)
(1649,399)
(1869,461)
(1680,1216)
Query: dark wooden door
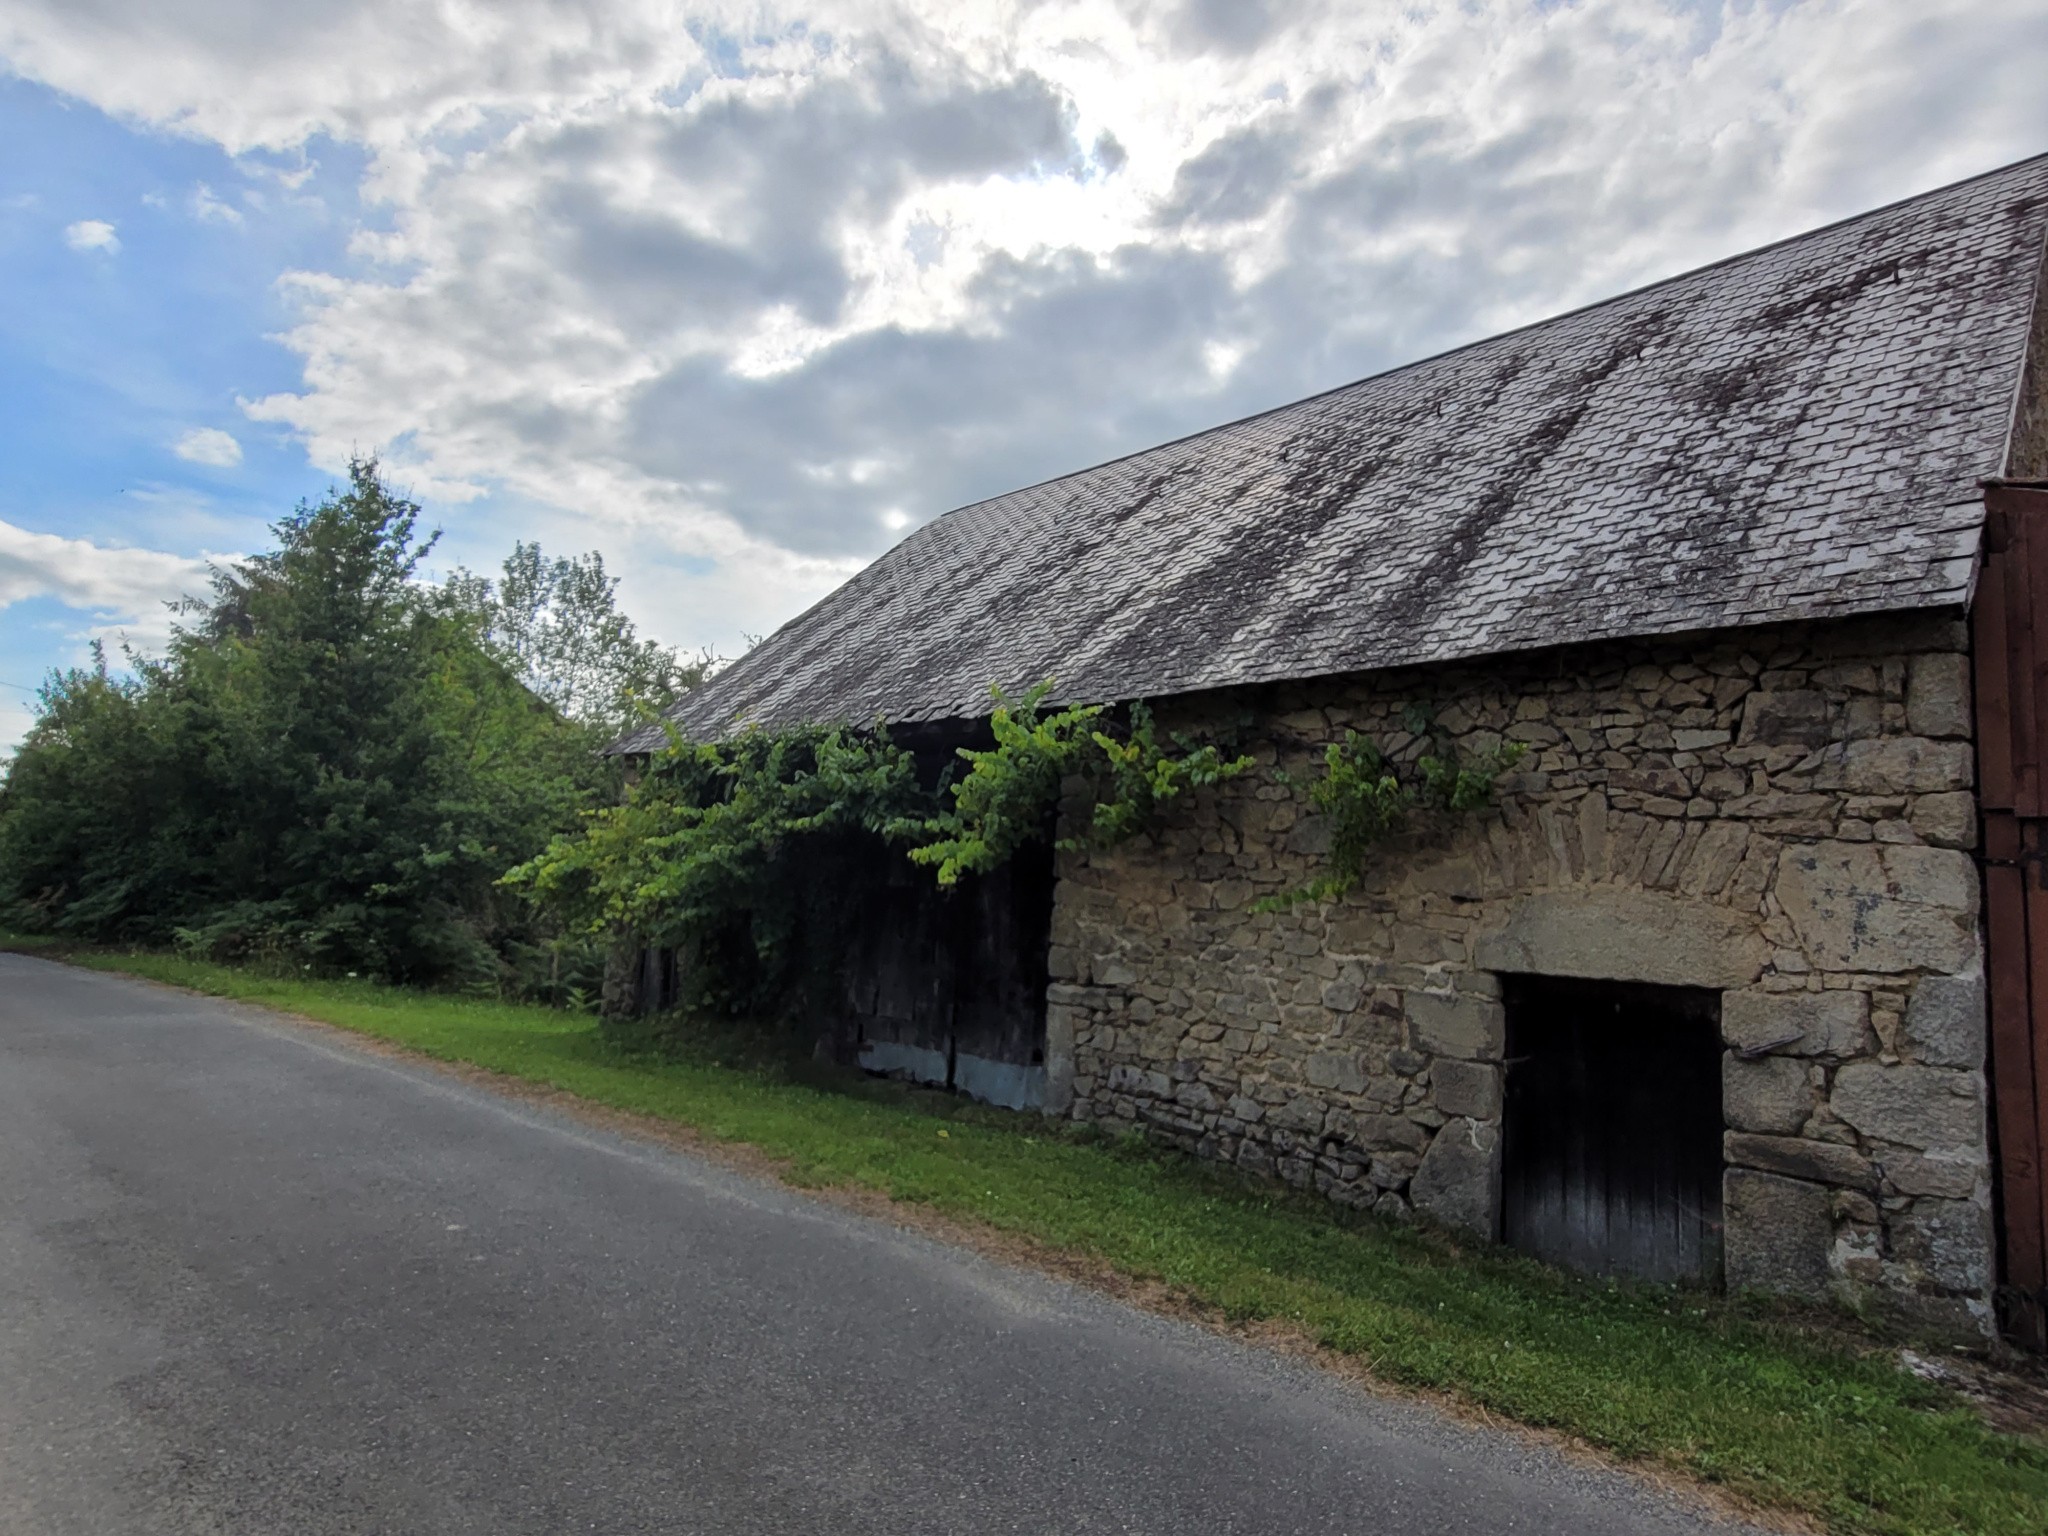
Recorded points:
(899,981)
(1004,927)
(948,987)
(1611,1163)
(2009,645)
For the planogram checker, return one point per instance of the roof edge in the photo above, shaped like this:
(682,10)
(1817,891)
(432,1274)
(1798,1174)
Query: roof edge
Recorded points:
(2032,371)
(1948,602)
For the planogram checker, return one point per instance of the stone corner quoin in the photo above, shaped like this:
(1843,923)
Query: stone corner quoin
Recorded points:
(1783,816)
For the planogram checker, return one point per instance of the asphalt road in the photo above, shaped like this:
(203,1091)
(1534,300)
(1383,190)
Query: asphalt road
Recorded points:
(255,1281)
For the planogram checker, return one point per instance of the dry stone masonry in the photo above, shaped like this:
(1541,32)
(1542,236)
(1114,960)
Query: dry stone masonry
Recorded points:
(1782,815)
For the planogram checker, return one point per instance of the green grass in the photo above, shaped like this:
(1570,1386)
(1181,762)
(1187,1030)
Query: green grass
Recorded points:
(1780,1408)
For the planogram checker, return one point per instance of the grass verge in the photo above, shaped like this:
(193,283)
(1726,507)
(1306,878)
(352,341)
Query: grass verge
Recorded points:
(1782,1410)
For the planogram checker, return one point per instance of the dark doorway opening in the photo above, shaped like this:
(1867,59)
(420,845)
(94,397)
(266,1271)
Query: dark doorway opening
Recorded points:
(947,987)
(1611,1161)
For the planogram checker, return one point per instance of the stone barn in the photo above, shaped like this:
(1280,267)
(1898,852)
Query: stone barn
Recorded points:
(1704,995)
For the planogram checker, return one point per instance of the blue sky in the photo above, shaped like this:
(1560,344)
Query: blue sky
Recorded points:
(737,293)
(109,357)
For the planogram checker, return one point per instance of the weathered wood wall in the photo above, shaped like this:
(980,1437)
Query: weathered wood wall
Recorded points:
(948,987)
(2010,639)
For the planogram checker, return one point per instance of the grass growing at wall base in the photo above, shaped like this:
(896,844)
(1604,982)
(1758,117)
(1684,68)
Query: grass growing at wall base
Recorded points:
(1787,1415)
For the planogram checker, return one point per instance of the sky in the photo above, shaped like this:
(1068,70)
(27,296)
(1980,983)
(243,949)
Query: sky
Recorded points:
(739,293)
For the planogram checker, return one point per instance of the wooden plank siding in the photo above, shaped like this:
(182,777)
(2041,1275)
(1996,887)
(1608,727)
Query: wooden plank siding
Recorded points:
(2010,659)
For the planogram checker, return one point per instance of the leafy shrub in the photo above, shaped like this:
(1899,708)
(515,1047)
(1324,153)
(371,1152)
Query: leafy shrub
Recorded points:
(760,858)
(756,856)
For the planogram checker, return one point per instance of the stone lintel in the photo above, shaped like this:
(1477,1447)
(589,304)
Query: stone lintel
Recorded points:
(1613,934)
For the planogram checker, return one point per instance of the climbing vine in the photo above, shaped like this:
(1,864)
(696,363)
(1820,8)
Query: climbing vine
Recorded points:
(1010,791)
(761,856)
(1369,801)
(755,855)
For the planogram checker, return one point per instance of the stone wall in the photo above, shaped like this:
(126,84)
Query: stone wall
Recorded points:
(1784,816)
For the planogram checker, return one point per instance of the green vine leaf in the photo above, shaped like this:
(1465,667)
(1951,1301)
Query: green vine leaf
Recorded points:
(760,855)
(1010,792)
(1368,802)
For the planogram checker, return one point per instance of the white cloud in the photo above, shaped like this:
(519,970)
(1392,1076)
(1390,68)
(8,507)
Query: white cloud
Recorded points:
(209,445)
(92,235)
(124,590)
(752,285)
(209,209)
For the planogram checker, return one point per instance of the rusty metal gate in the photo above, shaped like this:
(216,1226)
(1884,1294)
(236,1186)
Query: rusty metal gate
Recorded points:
(2009,641)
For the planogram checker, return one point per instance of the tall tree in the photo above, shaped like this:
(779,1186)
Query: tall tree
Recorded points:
(329,763)
(557,624)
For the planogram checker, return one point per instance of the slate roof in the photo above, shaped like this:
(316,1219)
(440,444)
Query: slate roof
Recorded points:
(1793,433)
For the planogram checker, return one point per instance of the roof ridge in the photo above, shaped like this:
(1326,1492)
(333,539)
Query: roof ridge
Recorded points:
(1479,341)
